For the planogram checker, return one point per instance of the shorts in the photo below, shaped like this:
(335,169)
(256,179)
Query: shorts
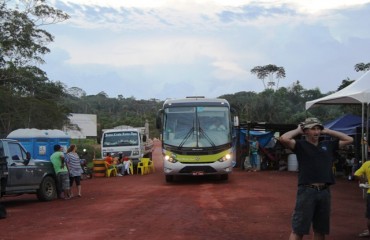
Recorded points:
(63,178)
(76,179)
(367,206)
(312,206)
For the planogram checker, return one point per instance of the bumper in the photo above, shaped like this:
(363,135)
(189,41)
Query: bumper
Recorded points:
(215,168)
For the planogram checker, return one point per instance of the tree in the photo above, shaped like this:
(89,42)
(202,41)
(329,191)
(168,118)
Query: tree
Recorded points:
(76,92)
(22,40)
(271,72)
(345,83)
(28,97)
(362,67)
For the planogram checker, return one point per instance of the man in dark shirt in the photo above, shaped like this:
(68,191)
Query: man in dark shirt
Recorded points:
(315,161)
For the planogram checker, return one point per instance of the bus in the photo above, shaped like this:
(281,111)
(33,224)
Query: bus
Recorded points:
(197,137)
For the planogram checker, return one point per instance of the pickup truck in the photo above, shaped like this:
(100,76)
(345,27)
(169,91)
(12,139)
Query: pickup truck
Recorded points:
(20,174)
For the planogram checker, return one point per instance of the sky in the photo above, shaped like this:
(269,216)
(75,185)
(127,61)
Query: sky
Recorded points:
(176,48)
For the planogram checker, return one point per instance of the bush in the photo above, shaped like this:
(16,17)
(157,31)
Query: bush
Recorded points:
(91,147)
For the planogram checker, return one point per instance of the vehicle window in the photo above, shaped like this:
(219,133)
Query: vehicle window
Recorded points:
(16,152)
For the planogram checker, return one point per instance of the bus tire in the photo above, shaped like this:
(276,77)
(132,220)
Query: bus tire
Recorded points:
(224,177)
(169,178)
(2,212)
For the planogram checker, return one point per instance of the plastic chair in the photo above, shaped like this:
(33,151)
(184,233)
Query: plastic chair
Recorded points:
(334,168)
(151,167)
(110,170)
(143,166)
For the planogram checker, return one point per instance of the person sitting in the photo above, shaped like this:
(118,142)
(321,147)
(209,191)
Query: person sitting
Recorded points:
(127,163)
(217,125)
(110,162)
(124,165)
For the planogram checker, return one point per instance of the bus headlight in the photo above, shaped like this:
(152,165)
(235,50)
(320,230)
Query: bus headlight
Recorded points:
(225,158)
(170,159)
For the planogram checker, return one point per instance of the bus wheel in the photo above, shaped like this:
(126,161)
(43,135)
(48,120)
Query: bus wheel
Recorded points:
(224,177)
(169,178)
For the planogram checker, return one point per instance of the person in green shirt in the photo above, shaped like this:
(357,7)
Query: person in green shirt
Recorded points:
(61,170)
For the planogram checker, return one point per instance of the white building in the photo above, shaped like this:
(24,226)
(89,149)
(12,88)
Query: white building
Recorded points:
(82,126)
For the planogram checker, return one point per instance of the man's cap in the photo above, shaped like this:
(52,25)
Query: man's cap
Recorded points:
(312,122)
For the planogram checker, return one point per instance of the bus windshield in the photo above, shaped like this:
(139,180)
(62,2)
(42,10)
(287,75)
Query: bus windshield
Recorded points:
(117,139)
(196,126)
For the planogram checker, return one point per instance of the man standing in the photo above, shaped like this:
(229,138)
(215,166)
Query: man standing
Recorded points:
(57,158)
(363,175)
(315,160)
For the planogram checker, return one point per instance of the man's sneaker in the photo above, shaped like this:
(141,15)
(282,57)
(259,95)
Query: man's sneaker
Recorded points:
(119,175)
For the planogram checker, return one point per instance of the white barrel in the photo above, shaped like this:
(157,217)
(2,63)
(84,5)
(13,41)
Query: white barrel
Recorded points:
(247,163)
(292,163)
(258,162)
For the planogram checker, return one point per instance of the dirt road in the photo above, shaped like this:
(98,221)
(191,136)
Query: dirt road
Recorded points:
(251,205)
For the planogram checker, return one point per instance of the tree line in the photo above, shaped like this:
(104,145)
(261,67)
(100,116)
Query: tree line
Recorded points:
(29,99)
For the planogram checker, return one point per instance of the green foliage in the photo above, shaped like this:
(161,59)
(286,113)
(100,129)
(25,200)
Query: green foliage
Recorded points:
(362,67)
(28,98)
(92,149)
(22,40)
(345,83)
(283,106)
(112,112)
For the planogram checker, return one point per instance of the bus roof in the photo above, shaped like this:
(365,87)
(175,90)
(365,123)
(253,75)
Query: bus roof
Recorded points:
(193,102)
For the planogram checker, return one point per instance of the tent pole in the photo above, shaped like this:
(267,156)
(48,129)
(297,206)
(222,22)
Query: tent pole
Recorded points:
(367,132)
(363,139)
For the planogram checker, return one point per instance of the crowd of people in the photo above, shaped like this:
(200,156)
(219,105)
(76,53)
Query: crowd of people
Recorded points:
(68,170)
(122,164)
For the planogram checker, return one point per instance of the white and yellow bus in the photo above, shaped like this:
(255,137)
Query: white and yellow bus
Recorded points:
(196,134)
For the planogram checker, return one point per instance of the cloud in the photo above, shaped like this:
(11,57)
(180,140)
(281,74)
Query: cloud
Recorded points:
(198,47)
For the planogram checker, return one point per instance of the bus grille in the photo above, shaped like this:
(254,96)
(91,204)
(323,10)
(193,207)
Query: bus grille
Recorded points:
(205,169)
(124,153)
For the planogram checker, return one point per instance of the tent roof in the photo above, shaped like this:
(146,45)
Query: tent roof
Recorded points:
(346,124)
(355,93)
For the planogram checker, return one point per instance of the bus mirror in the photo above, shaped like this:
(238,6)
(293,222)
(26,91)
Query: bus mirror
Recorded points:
(144,138)
(158,121)
(236,121)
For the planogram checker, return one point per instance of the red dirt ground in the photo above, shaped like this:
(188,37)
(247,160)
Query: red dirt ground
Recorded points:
(251,205)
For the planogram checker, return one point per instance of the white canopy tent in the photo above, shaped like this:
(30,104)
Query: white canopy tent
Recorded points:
(356,93)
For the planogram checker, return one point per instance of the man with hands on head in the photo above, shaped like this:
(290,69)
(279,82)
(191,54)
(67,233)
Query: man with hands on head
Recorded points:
(315,160)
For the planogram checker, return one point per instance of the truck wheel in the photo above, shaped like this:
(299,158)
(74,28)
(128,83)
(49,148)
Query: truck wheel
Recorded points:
(2,211)
(47,190)
(224,177)
(169,178)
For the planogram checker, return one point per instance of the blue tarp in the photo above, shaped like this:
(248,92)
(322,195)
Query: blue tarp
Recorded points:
(346,124)
(263,137)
